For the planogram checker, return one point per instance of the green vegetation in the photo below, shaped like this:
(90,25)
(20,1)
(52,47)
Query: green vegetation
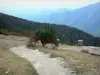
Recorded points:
(45,34)
(46,31)
(66,34)
(11,64)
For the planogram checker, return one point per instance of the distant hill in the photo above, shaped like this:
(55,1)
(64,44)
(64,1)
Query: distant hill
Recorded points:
(86,18)
(66,34)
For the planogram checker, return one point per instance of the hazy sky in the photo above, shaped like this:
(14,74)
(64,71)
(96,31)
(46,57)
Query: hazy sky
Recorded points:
(46,3)
(21,6)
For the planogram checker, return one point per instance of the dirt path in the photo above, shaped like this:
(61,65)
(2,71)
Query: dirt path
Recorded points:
(13,43)
(42,62)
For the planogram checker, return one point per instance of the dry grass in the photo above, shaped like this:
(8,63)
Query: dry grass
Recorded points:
(81,63)
(20,38)
(11,64)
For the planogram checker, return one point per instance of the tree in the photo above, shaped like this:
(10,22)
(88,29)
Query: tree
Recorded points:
(46,31)
(46,35)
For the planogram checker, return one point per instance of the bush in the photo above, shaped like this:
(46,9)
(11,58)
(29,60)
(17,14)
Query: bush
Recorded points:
(4,31)
(27,33)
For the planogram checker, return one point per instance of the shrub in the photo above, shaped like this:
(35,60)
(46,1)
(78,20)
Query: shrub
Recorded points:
(4,31)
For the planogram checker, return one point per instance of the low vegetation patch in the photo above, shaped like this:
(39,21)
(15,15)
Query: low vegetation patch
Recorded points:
(11,64)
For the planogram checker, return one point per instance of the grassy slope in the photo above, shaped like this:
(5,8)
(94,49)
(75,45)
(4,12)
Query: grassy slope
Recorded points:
(82,63)
(11,64)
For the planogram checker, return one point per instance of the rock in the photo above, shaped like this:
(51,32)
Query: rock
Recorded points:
(85,51)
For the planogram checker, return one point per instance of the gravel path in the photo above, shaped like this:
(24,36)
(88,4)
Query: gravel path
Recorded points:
(42,62)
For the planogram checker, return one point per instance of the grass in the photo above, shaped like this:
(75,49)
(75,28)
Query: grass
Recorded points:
(11,64)
(20,38)
(81,63)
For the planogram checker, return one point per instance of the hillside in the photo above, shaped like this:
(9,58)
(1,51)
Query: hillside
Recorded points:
(66,34)
(86,18)
(77,62)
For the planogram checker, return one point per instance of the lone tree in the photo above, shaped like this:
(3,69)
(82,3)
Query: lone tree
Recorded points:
(46,35)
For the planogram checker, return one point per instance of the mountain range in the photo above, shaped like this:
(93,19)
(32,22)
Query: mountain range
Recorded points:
(66,34)
(86,18)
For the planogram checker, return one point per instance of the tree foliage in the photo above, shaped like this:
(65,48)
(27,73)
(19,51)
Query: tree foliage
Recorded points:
(45,31)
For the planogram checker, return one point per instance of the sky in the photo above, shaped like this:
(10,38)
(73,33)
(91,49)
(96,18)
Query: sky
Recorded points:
(71,4)
(16,7)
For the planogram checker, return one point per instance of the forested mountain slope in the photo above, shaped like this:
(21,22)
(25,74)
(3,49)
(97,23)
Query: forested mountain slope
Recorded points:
(66,34)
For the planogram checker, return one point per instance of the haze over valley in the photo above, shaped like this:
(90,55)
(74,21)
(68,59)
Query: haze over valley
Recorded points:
(82,16)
